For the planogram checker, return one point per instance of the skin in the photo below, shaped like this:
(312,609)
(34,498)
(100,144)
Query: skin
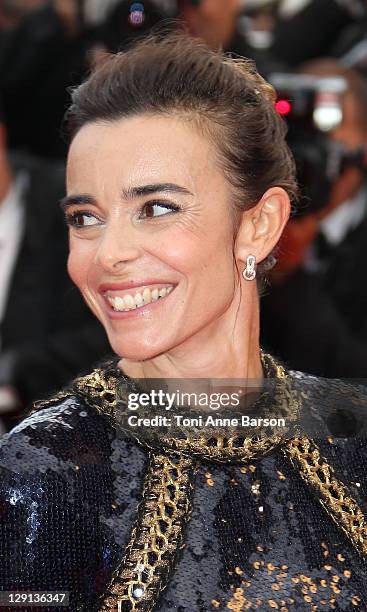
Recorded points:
(6,180)
(67,10)
(207,327)
(212,20)
(6,177)
(352,133)
(11,14)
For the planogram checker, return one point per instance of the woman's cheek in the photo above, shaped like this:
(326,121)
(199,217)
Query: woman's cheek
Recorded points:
(180,249)
(73,270)
(78,264)
(78,269)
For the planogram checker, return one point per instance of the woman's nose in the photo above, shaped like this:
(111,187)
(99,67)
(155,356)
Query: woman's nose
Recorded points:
(117,245)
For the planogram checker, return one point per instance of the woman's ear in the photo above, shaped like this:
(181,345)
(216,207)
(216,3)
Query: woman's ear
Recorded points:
(262,225)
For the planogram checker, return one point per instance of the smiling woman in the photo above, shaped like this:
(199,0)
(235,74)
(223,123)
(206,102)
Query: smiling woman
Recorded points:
(163,237)
(159,175)
(179,185)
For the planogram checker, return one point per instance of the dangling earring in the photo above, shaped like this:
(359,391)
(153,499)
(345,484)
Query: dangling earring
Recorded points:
(249,272)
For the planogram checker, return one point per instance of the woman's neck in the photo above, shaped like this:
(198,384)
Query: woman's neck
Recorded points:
(227,348)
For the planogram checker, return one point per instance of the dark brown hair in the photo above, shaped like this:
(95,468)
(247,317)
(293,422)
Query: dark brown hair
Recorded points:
(225,97)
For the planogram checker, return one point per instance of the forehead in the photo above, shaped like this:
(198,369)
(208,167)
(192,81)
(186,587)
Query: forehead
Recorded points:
(141,148)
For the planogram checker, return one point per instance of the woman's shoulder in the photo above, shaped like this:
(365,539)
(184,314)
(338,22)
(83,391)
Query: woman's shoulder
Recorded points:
(334,415)
(318,406)
(52,438)
(69,425)
(340,402)
(69,486)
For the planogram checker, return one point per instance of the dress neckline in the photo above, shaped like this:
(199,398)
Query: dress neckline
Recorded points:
(107,389)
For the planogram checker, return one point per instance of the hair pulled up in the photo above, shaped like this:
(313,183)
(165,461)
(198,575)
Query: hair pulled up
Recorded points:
(227,100)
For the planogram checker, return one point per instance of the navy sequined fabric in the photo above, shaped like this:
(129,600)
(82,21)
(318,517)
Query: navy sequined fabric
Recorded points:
(257,537)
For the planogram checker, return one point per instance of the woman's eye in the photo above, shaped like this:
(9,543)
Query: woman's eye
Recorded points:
(81,219)
(157,209)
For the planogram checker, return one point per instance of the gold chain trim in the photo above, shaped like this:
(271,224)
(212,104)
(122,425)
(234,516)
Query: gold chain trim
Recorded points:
(333,494)
(100,391)
(157,536)
(237,448)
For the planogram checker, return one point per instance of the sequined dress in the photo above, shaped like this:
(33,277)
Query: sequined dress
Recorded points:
(123,523)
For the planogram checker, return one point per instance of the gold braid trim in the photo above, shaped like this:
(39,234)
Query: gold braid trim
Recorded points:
(332,493)
(232,449)
(47,403)
(99,390)
(95,387)
(156,538)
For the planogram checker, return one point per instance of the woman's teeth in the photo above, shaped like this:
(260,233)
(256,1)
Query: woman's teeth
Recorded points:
(131,302)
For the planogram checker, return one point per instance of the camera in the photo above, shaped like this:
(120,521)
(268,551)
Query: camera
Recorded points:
(313,107)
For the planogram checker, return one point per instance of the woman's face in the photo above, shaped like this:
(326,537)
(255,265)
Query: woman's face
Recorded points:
(152,232)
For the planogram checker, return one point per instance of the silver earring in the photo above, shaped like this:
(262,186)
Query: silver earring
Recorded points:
(249,272)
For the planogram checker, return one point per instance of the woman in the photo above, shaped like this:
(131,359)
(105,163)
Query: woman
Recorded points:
(178,188)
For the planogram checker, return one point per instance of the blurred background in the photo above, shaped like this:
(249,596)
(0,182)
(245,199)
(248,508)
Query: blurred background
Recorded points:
(314,306)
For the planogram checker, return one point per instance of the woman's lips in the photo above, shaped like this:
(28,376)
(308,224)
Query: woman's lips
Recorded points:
(138,302)
(133,284)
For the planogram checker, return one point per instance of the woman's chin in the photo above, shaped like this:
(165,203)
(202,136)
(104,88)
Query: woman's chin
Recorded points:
(137,352)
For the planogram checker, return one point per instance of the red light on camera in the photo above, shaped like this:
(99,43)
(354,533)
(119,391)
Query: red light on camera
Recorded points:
(283,107)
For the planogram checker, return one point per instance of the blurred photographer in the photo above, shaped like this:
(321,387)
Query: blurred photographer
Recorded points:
(47,334)
(13,11)
(217,23)
(315,315)
(39,59)
(48,52)
(351,47)
(212,20)
(127,21)
(308,29)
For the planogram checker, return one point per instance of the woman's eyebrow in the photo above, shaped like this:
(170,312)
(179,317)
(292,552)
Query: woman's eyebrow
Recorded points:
(76,200)
(143,190)
(131,192)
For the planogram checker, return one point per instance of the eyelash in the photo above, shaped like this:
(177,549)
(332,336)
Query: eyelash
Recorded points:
(70,218)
